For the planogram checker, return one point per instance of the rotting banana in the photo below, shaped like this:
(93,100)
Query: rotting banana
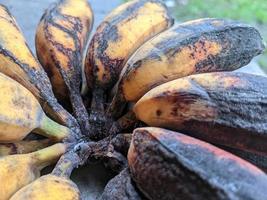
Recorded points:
(170,165)
(193,47)
(225,108)
(23,147)
(16,171)
(119,35)
(18,62)
(54,186)
(61,38)
(20,113)
(256,159)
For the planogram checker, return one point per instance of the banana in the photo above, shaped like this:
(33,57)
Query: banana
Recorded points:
(61,38)
(23,147)
(169,165)
(256,159)
(119,35)
(198,46)
(18,62)
(222,108)
(20,113)
(54,186)
(16,171)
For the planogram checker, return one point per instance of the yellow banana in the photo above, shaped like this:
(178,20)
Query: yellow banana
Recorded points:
(18,62)
(54,186)
(23,147)
(60,42)
(20,113)
(198,46)
(124,30)
(227,108)
(16,171)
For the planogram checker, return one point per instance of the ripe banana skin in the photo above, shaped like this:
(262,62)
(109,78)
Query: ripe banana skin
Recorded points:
(227,108)
(169,165)
(18,62)
(16,171)
(49,187)
(60,42)
(124,30)
(198,46)
(23,147)
(20,113)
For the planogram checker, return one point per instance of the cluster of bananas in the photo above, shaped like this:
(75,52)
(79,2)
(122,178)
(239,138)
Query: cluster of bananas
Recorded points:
(140,70)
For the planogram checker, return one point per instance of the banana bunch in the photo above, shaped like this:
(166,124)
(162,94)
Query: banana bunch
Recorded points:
(144,76)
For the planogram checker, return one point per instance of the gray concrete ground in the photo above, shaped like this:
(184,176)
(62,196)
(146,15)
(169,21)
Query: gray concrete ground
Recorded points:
(90,179)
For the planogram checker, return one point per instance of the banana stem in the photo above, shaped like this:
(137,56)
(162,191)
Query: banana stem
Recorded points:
(53,130)
(23,147)
(49,155)
(66,164)
(80,111)
(125,122)
(116,106)
(98,101)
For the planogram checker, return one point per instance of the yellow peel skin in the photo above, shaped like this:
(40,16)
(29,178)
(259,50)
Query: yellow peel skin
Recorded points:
(124,30)
(49,187)
(16,171)
(20,113)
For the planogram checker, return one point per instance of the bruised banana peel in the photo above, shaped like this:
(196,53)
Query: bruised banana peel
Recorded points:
(61,38)
(169,165)
(226,108)
(199,46)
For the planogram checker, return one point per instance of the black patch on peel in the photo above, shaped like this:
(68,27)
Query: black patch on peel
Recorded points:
(240,43)
(165,159)
(241,112)
(109,33)
(158,113)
